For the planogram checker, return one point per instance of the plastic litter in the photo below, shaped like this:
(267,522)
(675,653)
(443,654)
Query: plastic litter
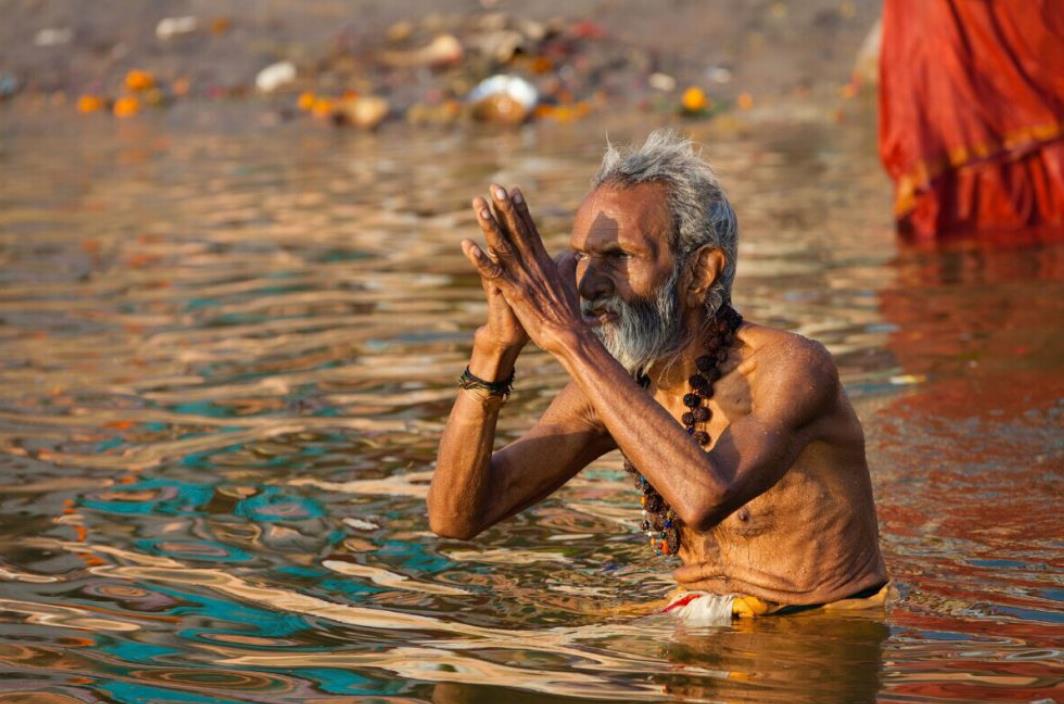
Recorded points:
(170,27)
(275,75)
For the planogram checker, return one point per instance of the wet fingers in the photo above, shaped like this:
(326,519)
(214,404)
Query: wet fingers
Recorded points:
(493,235)
(521,235)
(487,268)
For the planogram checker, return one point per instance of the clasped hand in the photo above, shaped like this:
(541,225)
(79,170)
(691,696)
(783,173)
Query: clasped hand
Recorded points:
(540,291)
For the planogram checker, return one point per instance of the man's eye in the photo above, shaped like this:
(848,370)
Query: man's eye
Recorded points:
(617,254)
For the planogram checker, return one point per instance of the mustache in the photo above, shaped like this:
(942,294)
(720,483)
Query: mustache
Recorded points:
(613,304)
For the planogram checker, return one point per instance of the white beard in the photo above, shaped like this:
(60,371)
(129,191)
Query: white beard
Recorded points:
(645,331)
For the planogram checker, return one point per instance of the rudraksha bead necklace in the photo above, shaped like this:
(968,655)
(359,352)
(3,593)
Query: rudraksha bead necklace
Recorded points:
(660,523)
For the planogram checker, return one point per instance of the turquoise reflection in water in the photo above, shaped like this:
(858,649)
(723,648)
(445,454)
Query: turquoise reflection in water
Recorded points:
(267,624)
(144,653)
(271,505)
(169,497)
(413,556)
(136,693)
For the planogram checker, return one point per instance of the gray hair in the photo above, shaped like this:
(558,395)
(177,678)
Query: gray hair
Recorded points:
(701,213)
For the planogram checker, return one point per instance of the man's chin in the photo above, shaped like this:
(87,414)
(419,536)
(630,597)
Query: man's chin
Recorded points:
(608,338)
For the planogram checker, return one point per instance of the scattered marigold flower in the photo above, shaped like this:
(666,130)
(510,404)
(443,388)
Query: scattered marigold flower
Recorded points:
(181,86)
(221,25)
(565,113)
(90,103)
(694,100)
(543,111)
(322,108)
(745,101)
(849,90)
(306,101)
(126,106)
(139,80)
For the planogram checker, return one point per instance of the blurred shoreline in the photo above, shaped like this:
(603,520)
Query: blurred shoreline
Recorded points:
(438,64)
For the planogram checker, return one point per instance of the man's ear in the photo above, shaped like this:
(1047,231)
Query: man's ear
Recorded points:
(705,266)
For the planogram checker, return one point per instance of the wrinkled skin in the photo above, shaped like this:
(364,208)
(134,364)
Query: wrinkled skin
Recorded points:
(779,507)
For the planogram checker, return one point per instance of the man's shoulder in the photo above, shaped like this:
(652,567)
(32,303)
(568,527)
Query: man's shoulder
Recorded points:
(787,351)
(790,367)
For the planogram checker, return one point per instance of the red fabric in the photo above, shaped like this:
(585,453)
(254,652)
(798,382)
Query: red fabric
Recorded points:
(971,106)
(680,603)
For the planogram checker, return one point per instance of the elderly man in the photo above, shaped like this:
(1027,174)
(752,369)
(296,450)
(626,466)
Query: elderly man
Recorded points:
(748,455)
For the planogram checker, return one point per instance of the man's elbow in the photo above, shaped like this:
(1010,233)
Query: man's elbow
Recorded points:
(704,515)
(450,527)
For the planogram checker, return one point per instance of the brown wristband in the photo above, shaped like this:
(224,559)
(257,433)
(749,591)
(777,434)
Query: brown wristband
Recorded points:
(502,389)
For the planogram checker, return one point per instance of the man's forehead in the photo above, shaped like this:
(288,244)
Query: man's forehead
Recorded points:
(612,213)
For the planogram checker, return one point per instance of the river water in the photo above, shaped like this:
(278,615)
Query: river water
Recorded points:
(227,349)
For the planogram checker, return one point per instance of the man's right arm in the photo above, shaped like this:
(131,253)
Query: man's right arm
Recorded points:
(474,488)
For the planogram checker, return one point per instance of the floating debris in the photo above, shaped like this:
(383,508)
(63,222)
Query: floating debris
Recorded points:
(170,27)
(503,99)
(275,75)
(53,36)
(364,112)
(444,50)
(662,81)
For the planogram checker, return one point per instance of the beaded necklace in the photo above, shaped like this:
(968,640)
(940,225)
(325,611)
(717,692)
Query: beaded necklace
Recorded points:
(660,523)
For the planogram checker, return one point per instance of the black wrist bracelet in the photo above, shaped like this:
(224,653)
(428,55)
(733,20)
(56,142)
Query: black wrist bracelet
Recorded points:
(494,388)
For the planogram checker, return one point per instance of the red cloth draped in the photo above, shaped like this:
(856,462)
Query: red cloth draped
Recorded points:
(971,108)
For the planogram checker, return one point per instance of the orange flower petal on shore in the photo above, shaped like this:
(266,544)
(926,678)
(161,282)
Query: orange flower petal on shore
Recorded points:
(694,100)
(306,101)
(322,107)
(137,80)
(745,101)
(90,103)
(126,106)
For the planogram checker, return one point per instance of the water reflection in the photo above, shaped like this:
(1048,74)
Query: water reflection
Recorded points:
(227,358)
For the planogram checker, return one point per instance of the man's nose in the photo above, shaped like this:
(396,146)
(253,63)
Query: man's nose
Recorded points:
(593,284)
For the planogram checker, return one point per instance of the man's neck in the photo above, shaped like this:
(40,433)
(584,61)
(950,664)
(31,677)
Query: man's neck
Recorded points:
(672,373)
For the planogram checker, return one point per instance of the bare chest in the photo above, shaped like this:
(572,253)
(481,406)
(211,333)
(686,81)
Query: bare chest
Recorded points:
(729,400)
(755,529)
